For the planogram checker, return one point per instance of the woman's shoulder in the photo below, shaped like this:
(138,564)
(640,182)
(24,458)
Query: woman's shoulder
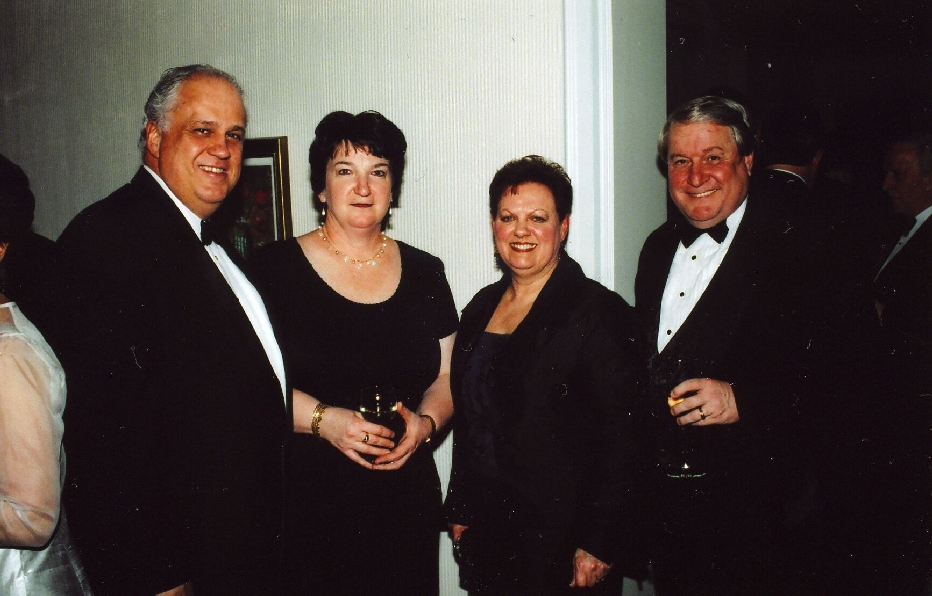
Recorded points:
(491,293)
(577,297)
(277,249)
(415,257)
(272,258)
(19,354)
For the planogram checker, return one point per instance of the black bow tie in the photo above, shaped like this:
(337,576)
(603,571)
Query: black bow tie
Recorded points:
(689,234)
(210,231)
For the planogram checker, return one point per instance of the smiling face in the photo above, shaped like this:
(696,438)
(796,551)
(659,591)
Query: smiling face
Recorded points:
(200,153)
(708,179)
(528,231)
(358,188)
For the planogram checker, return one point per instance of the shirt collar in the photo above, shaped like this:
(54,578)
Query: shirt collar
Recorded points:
(803,180)
(193,220)
(734,220)
(923,216)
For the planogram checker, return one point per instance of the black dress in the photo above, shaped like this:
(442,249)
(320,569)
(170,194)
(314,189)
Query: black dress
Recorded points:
(349,530)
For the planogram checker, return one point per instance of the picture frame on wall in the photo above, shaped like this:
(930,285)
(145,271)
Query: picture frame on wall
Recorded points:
(258,209)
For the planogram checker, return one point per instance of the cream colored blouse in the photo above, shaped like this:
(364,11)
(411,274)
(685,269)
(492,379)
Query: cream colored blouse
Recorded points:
(35,559)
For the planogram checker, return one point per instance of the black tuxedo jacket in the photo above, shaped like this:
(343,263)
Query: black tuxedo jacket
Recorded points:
(561,388)
(904,288)
(175,419)
(749,329)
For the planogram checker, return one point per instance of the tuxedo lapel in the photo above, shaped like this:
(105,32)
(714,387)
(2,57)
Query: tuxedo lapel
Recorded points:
(191,270)
(652,279)
(717,312)
(918,248)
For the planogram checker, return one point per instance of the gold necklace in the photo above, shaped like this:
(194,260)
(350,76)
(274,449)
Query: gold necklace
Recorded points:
(373,260)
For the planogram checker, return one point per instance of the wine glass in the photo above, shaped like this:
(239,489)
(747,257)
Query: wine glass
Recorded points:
(379,404)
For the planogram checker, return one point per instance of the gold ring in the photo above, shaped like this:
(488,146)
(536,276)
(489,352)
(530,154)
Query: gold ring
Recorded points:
(701,414)
(366,440)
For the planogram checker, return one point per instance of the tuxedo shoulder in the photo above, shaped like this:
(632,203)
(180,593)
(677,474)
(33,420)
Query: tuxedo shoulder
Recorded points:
(120,210)
(594,292)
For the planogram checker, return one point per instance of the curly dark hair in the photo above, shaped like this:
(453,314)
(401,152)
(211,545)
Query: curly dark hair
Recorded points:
(532,168)
(368,131)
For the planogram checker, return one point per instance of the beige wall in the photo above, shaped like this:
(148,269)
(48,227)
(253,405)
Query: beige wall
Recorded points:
(640,91)
(472,86)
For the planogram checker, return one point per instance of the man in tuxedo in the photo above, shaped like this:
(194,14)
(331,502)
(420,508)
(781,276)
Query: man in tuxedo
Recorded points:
(903,300)
(723,327)
(176,409)
(790,147)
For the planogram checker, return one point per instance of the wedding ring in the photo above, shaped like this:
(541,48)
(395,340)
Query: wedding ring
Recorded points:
(701,413)
(366,440)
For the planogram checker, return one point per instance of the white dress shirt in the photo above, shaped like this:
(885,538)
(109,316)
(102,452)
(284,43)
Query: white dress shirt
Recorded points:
(690,273)
(247,294)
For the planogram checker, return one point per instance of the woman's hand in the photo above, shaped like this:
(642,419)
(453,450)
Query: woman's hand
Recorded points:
(349,432)
(588,570)
(417,430)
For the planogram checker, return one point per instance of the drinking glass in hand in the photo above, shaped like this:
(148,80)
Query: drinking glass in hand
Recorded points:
(378,404)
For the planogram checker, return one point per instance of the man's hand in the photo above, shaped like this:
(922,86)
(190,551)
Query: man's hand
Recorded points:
(702,402)
(588,570)
(182,590)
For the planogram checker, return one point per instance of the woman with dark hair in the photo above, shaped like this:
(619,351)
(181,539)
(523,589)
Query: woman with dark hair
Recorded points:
(366,325)
(36,555)
(544,373)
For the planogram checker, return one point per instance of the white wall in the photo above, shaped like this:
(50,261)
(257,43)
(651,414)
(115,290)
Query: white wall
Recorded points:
(473,83)
(640,67)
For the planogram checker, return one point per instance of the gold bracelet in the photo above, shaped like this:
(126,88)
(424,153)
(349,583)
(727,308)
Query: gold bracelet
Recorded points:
(433,427)
(316,416)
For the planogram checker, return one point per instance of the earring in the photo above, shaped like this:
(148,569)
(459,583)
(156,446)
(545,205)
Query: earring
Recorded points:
(323,212)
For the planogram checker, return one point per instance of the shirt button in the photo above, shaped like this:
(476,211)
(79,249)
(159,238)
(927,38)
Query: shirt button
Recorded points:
(669,332)
(682,294)
(694,257)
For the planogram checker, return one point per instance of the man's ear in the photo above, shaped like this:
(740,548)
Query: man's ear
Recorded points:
(3,247)
(749,162)
(153,139)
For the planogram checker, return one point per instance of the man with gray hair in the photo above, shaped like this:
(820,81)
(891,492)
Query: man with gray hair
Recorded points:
(176,412)
(721,322)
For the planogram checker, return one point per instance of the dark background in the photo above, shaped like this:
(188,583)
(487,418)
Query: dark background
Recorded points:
(864,65)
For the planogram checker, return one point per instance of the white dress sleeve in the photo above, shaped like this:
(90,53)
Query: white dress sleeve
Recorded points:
(30,446)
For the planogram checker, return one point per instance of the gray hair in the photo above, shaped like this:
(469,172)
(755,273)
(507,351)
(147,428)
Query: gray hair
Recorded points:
(163,97)
(715,110)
